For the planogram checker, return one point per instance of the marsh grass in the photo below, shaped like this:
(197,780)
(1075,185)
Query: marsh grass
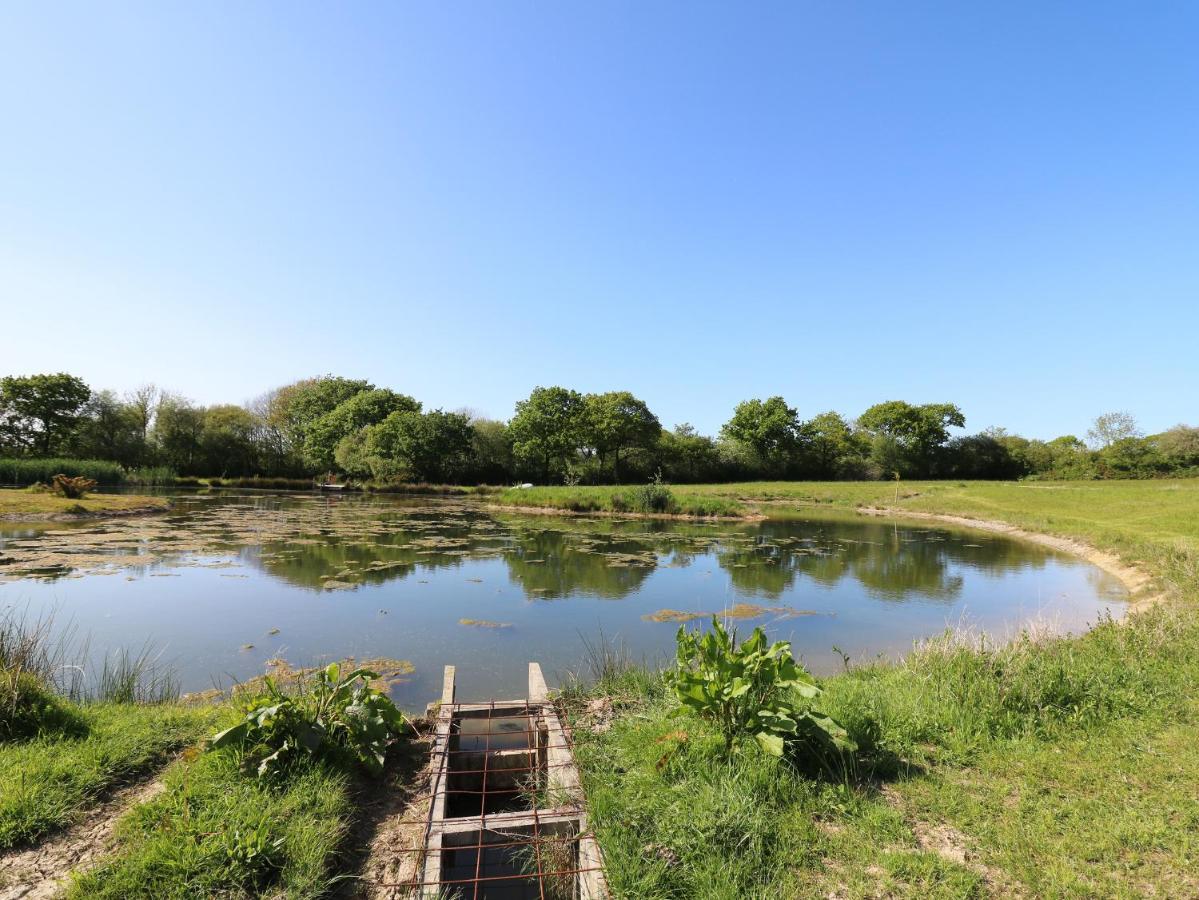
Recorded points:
(31,471)
(648,500)
(136,677)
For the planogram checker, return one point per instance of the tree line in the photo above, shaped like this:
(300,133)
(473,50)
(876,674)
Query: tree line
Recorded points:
(350,427)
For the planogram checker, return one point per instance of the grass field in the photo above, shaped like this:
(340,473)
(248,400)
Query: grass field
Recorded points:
(615,499)
(15,503)
(1047,768)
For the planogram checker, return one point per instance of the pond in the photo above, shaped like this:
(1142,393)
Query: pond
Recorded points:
(228,581)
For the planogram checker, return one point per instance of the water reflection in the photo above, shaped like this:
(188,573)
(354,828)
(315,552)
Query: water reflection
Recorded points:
(386,577)
(331,544)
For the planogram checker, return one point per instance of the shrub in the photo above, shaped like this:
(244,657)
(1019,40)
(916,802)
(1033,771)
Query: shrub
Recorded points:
(654,497)
(75,488)
(751,689)
(337,715)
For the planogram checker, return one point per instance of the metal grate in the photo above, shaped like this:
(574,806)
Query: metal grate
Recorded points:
(506,818)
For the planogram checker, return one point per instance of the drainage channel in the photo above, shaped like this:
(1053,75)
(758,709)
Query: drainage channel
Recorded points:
(507,819)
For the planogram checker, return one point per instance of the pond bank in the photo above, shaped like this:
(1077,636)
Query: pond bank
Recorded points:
(17,505)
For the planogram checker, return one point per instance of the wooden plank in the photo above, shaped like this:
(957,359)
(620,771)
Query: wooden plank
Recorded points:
(448,689)
(538,693)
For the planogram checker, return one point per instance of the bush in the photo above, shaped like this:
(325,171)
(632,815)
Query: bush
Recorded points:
(339,716)
(751,689)
(654,497)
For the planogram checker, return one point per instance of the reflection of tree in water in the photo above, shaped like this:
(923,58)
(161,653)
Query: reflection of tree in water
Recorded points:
(550,564)
(329,542)
(341,552)
(892,562)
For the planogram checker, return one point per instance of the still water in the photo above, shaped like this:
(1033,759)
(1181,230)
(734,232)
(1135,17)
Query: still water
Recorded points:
(228,581)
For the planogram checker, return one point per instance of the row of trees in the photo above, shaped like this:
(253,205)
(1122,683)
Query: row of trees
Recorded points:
(352,427)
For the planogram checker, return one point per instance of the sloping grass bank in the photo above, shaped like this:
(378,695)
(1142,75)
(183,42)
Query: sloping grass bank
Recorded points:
(622,500)
(47,782)
(22,504)
(1045,768)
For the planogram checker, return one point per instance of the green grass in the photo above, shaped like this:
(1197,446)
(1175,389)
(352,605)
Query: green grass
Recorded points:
(28,504)
(217,831)
(46,782)
(1046,768)
(29,471)
(610,499)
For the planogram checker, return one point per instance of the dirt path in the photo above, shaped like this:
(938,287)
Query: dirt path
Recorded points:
(1137,580)
(39,872)
(391,830)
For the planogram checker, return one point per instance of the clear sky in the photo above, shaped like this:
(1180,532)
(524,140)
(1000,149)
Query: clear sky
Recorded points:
(837,202)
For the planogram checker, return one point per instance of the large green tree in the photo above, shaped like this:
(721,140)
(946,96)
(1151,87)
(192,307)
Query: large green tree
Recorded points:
(548,427)
(294,408)
(110,429)
(227,441)
(908,438)
(360,410)
(770,428)
(40,412)
(834,449)
(178,434)
(435,446)
(616,421)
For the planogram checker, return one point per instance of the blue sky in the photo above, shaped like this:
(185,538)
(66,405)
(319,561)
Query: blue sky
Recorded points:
(839,203)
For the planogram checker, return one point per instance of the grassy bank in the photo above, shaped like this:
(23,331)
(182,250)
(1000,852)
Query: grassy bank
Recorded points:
(113,787)
(25,504)
(1046,768)
(614,499)
(47,782)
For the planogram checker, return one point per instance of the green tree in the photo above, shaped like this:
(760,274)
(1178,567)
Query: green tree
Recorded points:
(293,408)
(435,446)
(686,456)
(178,434)
(1111,427)
(362,409)
(41,412)
(494,459)
(617,421)
(227,441)
(109,429)
(770,428)
(918,432)
(834,449)
(547,427)
(1179,446)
